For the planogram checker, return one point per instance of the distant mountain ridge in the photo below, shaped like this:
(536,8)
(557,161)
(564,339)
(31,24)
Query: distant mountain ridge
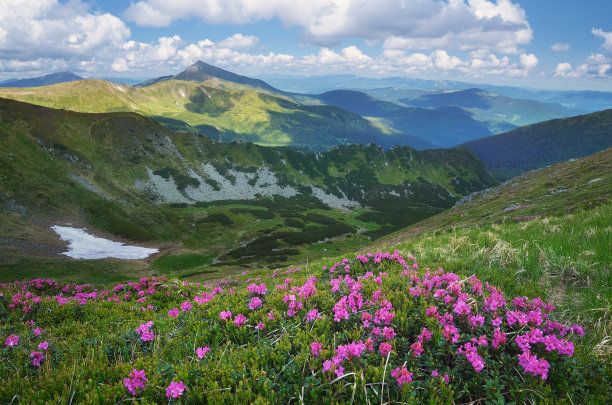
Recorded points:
(443,126)
(490,106)
(53,78)
(531,147)
(222,110)
(585,100)
(201,71)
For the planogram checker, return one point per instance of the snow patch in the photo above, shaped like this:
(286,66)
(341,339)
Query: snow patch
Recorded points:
(86,246)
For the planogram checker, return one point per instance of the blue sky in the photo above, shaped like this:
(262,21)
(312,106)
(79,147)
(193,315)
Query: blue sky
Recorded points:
(559,44)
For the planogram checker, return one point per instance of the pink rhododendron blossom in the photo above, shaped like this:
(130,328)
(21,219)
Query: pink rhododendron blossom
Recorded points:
(255,303)
(499,338)
(44,345)
(201,351)
(225,315)
(239,320)
(385,348)
(533,365)
(401,375)
(173,313)
(313,315)
(175,389)
(472,356)
(12,340)
(36,357)
(417,348)
(136,381)
(388,333)
(315,348)
(260,326)
(425,335)
(186,306)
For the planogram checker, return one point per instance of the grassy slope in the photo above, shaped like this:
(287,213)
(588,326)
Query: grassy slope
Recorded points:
(218,109)
(545,233)
(538,145)
(111,151)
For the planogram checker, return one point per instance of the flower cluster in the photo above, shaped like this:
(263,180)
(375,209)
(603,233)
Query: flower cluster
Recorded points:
(135,383)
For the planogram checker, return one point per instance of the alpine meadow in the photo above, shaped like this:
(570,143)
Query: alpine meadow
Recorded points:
(315,202)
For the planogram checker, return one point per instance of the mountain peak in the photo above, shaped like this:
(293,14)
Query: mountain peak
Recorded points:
(53,78)
(202,71)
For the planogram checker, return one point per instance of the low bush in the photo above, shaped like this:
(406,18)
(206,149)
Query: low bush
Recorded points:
(378,328)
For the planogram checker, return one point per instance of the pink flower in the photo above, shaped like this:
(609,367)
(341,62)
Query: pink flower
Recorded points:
(417,348)
(43,345)
(578,330)
(136,382)
(11,341)
(225,315)
(388,333)
(425,335)
(315,347)
(175,389)
(313,315)
(36,357)
(271,315)
(385,348)
(401,375)
(239,320)
(327,365)
(173,313)
(499,338)
(533,365)
(476,320)
(339,371)
(37,331)
(260,326)
(186,306)
(255,303)
(201,351)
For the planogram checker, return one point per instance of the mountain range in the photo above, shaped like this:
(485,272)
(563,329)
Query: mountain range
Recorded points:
(53,78)
(126,176)
(227,107)
(538,145)
(222,110)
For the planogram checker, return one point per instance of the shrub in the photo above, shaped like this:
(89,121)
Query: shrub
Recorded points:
(376,328)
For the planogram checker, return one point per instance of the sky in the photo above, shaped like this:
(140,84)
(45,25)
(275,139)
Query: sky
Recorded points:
(553,44)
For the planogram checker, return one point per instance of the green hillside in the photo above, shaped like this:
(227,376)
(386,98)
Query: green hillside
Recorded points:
(545,233)
(125,176)
(539,145)
(482,306)
(220,110)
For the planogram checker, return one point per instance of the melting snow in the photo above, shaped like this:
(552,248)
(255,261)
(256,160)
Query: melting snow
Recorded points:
(85,246)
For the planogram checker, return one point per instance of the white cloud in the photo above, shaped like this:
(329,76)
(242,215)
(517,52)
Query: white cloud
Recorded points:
(563,69)
(34,29)
(560,47)
(499,25)
(597,65)
(239,41)
(40,36)
(528,61)
(607,36)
